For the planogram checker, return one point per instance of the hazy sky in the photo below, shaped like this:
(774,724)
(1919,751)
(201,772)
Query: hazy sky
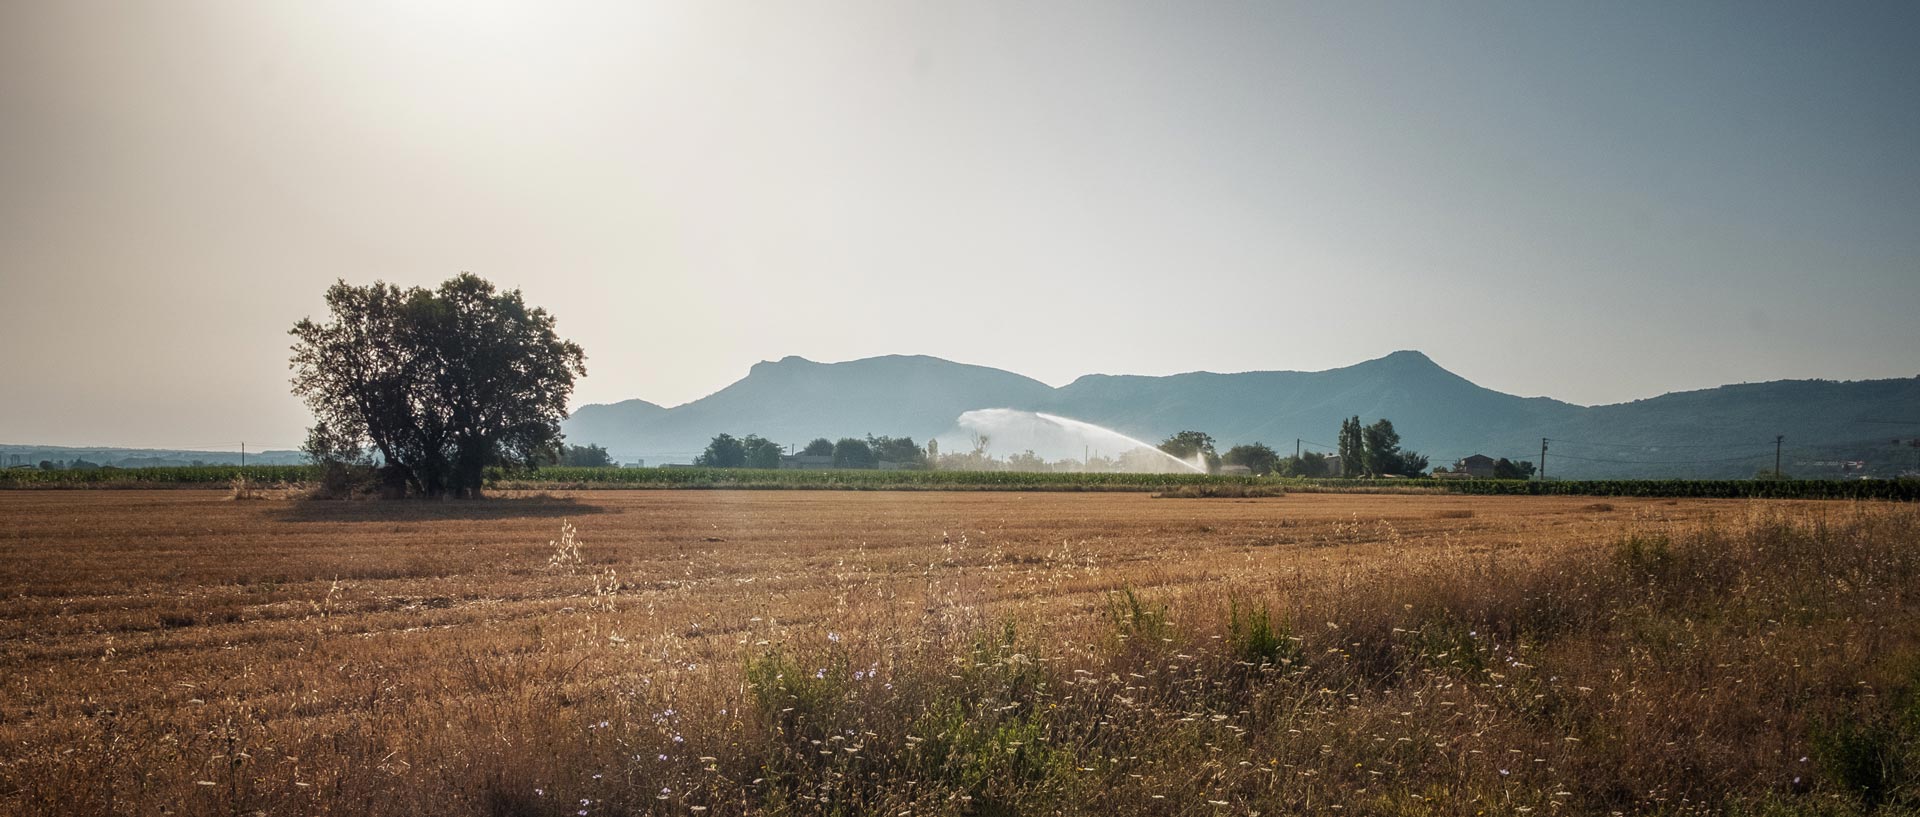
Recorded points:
(1596,202)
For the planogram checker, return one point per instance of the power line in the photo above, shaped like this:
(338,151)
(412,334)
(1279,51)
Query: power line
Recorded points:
(1563,441)
(1666,462)
(1872,442)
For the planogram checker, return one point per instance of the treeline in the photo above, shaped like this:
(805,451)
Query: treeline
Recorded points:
(578,456)
(1903,490)
(160,476)
(1364,451)
(755,451)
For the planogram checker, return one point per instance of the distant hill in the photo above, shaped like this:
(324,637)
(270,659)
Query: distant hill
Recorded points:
(612,421)
(1434,409)
(794,400)
(1722,432)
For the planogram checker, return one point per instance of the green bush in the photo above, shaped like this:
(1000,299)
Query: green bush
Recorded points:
(1254,639)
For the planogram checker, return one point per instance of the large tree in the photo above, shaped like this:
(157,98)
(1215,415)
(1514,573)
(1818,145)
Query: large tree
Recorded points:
(1383,455)
(761,452)
(1189,446)
(901,450)
(853,453)
(1309,464)
(579,456)
(442,383)
(1382,448)
(725,451)
(1257,457)
(1508,469)
(1352,450)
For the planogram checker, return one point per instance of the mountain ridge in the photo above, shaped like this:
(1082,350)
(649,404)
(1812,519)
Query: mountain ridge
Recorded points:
(1438,412)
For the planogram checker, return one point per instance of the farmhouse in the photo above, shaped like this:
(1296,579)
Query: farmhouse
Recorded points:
(1478,466)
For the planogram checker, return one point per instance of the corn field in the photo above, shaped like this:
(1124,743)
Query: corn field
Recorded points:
(1902,490)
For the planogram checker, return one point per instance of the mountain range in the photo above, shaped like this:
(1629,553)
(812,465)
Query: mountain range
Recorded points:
(1729,431)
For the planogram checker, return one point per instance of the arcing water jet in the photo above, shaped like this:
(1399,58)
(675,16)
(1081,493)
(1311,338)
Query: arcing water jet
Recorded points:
(1053,437)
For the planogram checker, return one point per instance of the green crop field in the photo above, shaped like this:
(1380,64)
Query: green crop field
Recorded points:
(185,475)
(1905,490)
(857,479)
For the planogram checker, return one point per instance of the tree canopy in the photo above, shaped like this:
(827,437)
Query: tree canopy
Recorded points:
(1309,464)
(1257,457)
(1508,469)
(1381,452)
(442,383)
(725,451)
(761,452)
(902,450)
(581,456)
(853,453)
(1352,449)
(820,447)
(1187,443)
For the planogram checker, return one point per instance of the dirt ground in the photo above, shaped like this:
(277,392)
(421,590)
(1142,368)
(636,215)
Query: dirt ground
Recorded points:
(144,576)
(92,562)
(171,610)
(101,591)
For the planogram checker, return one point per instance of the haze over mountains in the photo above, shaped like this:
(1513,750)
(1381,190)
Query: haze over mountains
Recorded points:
(1721,432)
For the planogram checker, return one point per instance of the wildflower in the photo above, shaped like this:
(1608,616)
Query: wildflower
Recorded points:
(833,637)
(820,673)
(1503,772)
(539,792)
(678,739)
(663,758)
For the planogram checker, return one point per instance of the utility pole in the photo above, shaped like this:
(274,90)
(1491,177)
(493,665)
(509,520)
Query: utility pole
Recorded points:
(243,456)
(1777,439)
(1296,449)
(1543,459)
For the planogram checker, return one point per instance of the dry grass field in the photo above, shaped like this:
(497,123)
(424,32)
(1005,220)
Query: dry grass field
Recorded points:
(721,652)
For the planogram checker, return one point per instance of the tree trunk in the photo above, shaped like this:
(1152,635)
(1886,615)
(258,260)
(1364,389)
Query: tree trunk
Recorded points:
(470,469)
(394,479)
